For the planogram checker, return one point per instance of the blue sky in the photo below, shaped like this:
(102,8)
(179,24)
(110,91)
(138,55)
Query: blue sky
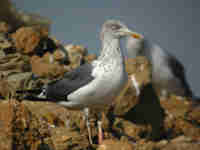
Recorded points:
(174,24)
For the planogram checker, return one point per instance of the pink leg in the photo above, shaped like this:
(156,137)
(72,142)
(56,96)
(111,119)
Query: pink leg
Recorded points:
(100,133)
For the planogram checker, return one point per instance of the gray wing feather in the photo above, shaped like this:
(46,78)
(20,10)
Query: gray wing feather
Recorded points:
(71,82)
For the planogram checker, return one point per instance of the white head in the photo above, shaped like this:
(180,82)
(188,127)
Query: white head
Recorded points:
(116,29)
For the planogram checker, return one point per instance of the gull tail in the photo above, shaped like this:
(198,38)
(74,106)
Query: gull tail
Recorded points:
(35,95)
(29,91)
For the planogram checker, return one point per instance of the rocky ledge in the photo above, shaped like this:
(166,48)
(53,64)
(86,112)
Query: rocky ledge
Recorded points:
(30,57)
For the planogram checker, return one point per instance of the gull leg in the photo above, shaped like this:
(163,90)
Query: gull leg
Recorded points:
(86,113)
(100,131)
(136,85)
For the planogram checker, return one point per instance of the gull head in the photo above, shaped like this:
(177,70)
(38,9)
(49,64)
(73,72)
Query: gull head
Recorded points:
(117,29)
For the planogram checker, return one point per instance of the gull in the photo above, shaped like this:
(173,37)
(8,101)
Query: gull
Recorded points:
(168,74)
(93,85)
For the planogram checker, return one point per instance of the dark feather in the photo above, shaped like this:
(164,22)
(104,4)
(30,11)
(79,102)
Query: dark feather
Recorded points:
(72,81)
(179,72)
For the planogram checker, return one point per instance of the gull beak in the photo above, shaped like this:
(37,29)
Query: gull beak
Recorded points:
(135,35)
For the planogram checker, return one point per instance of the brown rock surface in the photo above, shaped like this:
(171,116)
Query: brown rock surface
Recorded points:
(58,55)
(42,67)
(90,57)
(76,54)
(17,18)
(4,27)
(141,122)
(26,39)
(115,145)
(20,129)
(6,115)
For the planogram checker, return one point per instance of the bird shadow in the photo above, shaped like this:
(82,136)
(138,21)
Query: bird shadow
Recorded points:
(148,111)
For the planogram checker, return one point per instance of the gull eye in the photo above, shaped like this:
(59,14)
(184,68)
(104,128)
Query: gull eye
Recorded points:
(115,27)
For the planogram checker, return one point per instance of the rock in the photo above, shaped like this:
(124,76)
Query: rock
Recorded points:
(21,129)
(26,40)
(75,54)
(181,139)
(115,145)
(68,128)
(58,55)
(177,121)
(76,48)
(141,68)
(44,67)
(182,146)
(130,130)
(134,121)
(6,116)
(4,27)
(5,43)
(6,89)
(193,114)
(14,63)
(17,18)
(90,57)
(65,139)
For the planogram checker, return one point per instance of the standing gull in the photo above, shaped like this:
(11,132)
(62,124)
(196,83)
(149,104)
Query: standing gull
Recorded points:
(93,85)
(168,73)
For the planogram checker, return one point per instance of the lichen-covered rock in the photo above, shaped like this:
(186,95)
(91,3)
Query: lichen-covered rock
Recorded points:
(6,88)
(14,63)
(5,43)
(182,146)
(76,48)
(45,66)
(58,55)
(6,116)
(141,68)
(17,18)
(76,54)
(115,145)
(177,121)
(134,121)
(26,39)
(90,57)
(21,129)
(4,27)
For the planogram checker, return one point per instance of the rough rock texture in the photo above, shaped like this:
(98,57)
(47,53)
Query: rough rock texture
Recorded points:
(141,122)
(90,57)
(76,54)
(116,145)
(43,67)
(29,54)
(4,27)
(26,39)
(17,18)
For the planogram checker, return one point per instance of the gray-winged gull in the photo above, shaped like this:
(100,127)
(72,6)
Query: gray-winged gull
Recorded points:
(168,73)
(93,85)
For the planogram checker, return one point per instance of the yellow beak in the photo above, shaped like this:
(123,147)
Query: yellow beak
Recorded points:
(136,36)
